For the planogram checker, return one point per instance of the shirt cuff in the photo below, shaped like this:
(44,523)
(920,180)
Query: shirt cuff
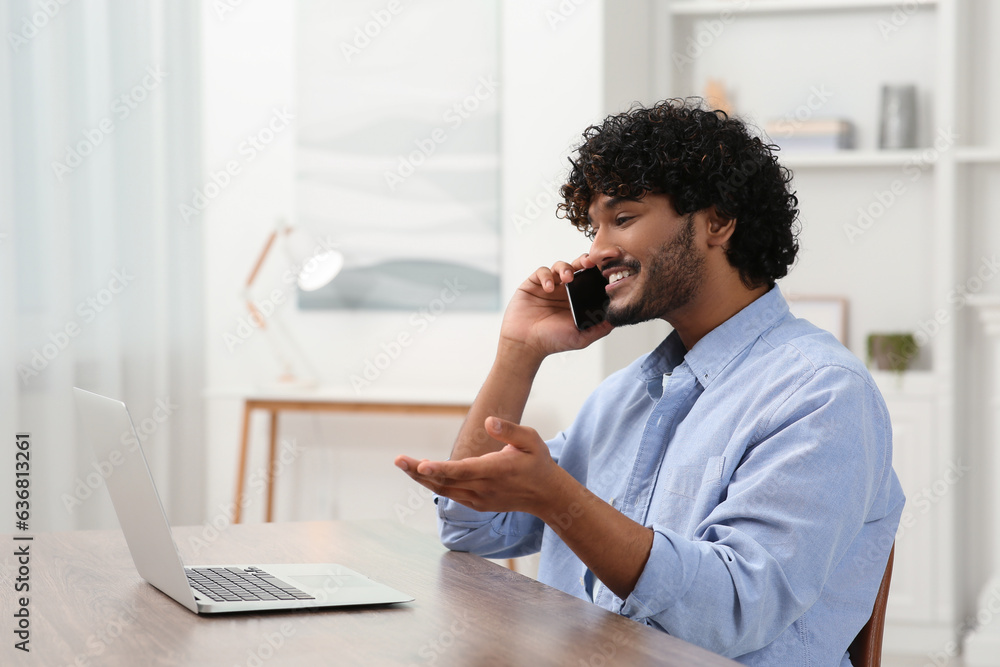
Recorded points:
(667,575)
(458,514)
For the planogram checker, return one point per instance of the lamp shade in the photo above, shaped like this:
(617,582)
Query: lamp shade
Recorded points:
(320,270)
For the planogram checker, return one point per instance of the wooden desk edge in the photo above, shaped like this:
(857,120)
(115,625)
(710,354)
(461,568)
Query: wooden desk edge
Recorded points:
(337,405)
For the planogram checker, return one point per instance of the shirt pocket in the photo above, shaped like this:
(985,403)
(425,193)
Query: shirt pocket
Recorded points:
(689,492)
(688,481)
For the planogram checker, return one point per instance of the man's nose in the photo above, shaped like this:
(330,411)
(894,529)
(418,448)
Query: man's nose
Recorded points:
(602,249)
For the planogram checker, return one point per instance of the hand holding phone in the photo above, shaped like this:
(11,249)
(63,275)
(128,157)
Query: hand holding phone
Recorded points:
(588,300)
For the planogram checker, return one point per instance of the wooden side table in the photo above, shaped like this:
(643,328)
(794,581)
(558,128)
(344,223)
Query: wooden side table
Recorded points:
(275,405)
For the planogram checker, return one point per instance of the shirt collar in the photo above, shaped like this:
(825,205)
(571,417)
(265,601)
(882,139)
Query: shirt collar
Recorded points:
(720,345)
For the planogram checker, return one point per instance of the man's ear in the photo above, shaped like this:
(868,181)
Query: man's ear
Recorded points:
(719,228)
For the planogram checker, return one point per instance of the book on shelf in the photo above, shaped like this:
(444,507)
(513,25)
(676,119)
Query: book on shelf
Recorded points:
(821,134)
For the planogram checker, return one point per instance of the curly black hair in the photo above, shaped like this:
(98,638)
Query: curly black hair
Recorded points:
(699,158)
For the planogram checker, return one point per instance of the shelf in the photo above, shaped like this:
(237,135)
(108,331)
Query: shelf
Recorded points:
(903,277)
(978,155)
(710,7)
(850,158)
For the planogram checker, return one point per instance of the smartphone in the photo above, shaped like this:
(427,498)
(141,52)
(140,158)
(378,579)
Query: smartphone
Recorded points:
(588,300)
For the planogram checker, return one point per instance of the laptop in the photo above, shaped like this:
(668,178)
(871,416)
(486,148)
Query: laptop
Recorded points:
(204,589)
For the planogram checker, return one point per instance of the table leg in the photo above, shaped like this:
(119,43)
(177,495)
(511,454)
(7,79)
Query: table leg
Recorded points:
(241,468)
(271,465)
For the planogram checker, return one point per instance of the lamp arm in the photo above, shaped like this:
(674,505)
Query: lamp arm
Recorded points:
(270,331)
(261,258)
(254,313)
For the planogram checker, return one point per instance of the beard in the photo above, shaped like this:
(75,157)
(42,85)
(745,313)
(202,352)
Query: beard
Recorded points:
(670,280)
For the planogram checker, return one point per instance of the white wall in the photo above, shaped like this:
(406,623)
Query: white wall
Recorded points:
(248,72)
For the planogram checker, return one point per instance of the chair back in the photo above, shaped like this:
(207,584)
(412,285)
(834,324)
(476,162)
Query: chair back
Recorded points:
(866,649)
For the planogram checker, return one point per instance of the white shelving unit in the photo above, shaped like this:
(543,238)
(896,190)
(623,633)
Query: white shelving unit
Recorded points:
(777,58)
(967,155)
(851,158)
(710,7)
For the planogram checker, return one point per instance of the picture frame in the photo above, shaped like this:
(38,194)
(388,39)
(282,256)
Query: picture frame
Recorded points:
(828,312)
(398,153)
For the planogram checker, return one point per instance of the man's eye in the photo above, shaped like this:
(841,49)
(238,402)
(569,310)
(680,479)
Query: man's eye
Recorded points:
(622,219)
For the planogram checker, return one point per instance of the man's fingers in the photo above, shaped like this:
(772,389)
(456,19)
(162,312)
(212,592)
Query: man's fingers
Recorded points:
(406,463)
(409,465)
(463,470)
(564,271)
(584,262)
(442,472)
(521,437)
(561,272)
(546,278)
(427,474)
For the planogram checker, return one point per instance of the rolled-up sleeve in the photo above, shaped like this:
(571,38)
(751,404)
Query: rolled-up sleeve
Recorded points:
(819,472)
(492,534)
(488,534)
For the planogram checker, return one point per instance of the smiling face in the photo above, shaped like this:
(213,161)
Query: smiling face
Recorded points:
(649,255)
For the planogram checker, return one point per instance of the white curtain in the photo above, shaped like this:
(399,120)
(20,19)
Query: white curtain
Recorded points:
(100,279)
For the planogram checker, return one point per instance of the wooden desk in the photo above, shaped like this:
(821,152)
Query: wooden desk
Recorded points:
(88,606)
(320,401)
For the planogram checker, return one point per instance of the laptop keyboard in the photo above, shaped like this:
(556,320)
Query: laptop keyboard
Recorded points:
(232,584)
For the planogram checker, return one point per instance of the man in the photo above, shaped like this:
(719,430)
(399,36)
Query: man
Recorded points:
(734,487)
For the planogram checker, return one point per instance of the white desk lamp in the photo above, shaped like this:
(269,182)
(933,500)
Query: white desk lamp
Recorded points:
(312,270)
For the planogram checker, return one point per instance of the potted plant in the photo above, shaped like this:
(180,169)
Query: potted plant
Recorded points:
(892,352)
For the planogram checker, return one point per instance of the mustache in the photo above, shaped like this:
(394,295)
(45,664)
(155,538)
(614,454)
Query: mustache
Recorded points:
(622,264)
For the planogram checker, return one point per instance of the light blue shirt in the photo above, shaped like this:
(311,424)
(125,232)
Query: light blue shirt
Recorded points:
(761,459)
